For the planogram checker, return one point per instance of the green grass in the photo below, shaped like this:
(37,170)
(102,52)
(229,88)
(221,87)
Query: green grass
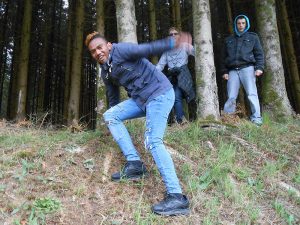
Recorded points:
(283,213)
(231,175)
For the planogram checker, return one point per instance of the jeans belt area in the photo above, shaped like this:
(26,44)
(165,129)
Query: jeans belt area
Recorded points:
(241,67)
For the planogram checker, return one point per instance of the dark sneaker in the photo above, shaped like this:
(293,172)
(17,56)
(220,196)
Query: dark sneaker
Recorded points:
(172,205)
(133,170)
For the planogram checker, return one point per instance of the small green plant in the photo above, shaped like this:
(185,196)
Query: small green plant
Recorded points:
(26,167)
(269,170)
(266,118)
(212,206)
(253,212)
(25,154)
(46,205)
(80,191)
(89,164)
(2,187)
(283,213)
(296,178)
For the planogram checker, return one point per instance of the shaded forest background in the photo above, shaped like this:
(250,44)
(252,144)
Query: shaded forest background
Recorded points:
(41,73)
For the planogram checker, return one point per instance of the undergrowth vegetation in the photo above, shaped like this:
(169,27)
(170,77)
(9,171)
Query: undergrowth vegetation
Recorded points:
(233,174)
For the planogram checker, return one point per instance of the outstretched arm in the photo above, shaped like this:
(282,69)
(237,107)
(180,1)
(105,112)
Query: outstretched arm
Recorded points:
(130,51)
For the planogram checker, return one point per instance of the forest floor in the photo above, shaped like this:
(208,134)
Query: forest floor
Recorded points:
(232,171)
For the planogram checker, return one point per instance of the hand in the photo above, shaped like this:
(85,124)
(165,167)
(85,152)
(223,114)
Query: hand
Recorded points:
(184,37)
(226,76)
(258,73)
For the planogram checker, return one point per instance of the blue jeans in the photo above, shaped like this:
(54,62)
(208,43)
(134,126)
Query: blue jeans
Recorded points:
(157,112)
(178,105)
(247,77)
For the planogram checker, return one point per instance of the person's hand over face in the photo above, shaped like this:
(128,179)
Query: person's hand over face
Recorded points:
(183,38)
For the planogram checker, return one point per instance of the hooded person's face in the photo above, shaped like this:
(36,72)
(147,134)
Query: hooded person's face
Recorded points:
(241,24)
(99,49)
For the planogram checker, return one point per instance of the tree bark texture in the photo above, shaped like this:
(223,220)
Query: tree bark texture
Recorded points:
(126,21)
(152,26)
(75,87)
(3,55)
(24,59)
(274,93)
(290,52)
(101,96)
(68,60)
(177,15)
(208,105)
(229,16)
(100,16)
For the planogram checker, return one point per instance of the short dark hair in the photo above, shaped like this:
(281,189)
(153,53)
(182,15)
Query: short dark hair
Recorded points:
(241,17)
(92,36)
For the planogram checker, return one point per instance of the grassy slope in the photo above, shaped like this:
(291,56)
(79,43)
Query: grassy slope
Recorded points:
(233,175)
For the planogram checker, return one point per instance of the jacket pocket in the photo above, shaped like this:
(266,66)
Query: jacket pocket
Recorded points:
(230,47)
(139,83)
(248,45)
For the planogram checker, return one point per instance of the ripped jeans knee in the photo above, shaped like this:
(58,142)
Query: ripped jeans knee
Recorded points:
(152,142)
(110,118)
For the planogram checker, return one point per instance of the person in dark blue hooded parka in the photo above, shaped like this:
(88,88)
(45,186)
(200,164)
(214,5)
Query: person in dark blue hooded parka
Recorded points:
(243,61)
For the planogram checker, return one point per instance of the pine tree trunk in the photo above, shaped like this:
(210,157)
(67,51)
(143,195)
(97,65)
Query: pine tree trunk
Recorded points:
(229,16)
(206,86)
(290,51)
(152,26)
(12,93)
(101,96)
(100,16)
(57,100)
(44,60)
(173,12)
(177,15)
(3,56)
(274,92)
(75,87)
(69,51)
(126,21)
(24,59)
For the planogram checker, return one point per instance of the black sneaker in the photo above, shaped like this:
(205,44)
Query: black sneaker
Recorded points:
(172,205)
(133,170)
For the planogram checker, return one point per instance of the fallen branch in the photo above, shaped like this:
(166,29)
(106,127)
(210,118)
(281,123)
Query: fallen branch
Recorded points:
(106,165)
(176,154)
(248,145)
(289,188)
(46,114)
